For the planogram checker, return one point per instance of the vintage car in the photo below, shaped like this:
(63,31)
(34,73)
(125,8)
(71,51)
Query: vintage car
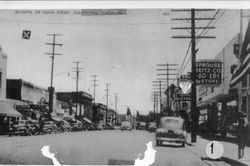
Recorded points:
(21,127)
(172,129)
(108,126)
(142,126)
(65,126)
(125,125)
(49,127)
(77,126)
(152,127)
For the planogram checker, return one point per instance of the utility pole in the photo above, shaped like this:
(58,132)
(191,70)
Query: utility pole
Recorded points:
(116,108)
(94,84)
(193,37)
(51,88)
(107,101)
(169,71)
(77,69)
(159,85)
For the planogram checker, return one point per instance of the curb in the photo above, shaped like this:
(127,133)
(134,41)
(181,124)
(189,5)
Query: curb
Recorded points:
(233,162)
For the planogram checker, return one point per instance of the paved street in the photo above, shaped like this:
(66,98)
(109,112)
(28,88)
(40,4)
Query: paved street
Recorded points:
(94,148)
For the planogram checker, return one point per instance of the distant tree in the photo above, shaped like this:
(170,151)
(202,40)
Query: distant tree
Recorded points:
(151,116)
(128,111)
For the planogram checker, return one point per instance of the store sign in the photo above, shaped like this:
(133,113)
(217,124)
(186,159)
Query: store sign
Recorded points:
(185,83)
(208,72)
(183,97)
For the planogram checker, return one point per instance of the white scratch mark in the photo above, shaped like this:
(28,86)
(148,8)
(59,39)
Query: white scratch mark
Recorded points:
(149,156)
(47,153)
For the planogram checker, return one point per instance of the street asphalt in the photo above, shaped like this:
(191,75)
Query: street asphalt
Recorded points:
(106,147)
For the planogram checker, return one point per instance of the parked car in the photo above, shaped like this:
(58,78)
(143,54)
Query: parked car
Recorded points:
(34,127)
(49,127)
(172,129)
(142,126)
(65,126)
(152,127)
(21,127)
(108,127)
(77,126)
(125,125)
(99,127)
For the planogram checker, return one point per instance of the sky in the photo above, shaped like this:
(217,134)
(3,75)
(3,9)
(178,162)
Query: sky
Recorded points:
(122,50)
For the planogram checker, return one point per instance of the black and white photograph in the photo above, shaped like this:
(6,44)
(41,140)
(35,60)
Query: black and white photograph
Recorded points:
(147,85)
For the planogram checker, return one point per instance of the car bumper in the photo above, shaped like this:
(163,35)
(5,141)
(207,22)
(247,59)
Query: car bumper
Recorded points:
(177,140)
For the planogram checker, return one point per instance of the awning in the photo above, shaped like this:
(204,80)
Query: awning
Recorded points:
(6,110)
(87,120)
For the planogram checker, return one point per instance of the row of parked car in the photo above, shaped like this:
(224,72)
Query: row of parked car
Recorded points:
(33,127)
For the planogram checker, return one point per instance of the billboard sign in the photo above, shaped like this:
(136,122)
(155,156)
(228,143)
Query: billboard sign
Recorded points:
(208,72)
(183,97)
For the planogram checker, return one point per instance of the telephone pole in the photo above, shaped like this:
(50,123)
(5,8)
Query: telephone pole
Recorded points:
(94,84)
(77,69)
(169,69)
(159,85)
(107,100)
(193,37)
(116,98)
(52,55)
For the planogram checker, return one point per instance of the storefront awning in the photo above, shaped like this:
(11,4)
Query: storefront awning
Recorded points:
(6,110)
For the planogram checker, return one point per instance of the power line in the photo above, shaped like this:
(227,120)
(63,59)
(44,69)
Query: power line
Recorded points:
(206,29)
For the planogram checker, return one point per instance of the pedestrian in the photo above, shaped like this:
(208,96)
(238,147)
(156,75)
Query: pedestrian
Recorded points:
(242,134)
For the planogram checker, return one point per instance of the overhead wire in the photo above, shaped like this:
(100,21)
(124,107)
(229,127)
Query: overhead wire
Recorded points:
(206,29)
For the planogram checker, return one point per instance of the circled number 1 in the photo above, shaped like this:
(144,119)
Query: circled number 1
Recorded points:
(212,148)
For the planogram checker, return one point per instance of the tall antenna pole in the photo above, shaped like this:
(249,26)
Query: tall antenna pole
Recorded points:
(51,88)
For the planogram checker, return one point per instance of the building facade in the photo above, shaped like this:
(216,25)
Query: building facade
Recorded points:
(240,80)
(218,103)
(7,113)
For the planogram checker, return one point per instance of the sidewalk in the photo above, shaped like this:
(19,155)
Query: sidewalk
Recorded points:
(230,151)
